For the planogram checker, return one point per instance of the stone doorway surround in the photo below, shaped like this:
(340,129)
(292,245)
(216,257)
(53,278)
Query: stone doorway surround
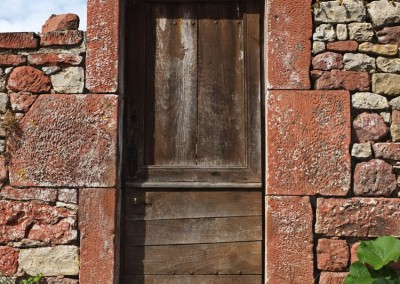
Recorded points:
(287,52)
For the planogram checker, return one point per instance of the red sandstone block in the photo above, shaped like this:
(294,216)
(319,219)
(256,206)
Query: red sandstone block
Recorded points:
(66,140)
(327,61)
(18,40)
(332,255)
(353,252)
(347,80)
(289,29)
(26,214)
(43,194)
(290,240)
(308,142)
(51,59)
(61,233)
(102,46)
(22,101)
(332,277)
(61,38)
(369,127)
(387,150)
(61,22)
(358,217)
(97,224)
(28,79)
(11,60)
(343,46)
(8,261)
(374,178)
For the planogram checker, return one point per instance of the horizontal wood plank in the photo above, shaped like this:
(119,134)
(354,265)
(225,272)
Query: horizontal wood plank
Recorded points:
(193,231)
(225,259)
(158,205)
(193,279)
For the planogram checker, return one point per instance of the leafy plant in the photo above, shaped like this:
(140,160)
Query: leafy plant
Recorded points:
(374,260)
(33,279)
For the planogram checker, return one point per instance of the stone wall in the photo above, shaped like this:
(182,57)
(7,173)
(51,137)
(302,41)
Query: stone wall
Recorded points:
(38,215)
(356,48)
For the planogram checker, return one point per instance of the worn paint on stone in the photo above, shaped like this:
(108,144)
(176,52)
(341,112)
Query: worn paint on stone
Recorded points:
(308,142)
(66,140)
(358,217)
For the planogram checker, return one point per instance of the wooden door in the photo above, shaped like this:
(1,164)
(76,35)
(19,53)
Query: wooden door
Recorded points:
(192,210)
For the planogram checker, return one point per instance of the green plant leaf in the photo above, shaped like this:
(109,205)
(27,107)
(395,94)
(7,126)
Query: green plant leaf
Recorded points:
(379,252)
(360,274)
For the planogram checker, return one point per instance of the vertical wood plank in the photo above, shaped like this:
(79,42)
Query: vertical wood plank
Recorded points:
(171,112)
(221,95)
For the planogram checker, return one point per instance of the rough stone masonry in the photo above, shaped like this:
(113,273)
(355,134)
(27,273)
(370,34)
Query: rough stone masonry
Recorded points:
(55,139)
(356,48)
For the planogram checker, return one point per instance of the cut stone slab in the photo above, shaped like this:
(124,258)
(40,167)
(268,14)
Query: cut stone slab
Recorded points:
(66,140)
(395,126)
(333,12)
(341,32)
(70,80)
(332,277)
(382,12)
(388,65)
(302,120)
(8,262)
(359,62)
(327,61)
(50,261)
(318,47)
(28,79)
(42,194)
(61,22)
(51,59)
(340,79)
(358,217)
(361,150)
(395,103)
(366,100)
(386,84)
(290,240)
(332,255)
(369,127)
(18,40)
(374,178)
(361,31)
(289,25)
(61,38)
(389,35)
(325,32)
(343,46)
(387,150)
(379,49)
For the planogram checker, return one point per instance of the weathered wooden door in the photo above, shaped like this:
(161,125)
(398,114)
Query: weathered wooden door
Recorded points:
(192,210)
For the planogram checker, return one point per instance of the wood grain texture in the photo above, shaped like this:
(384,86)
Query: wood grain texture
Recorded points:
(159,205)
(225,258)
(193,231)
(172,140)
(193,279)
(221,95)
